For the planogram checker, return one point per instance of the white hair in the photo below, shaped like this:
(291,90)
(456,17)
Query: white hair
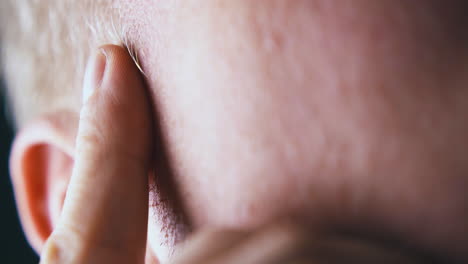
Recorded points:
(45,45)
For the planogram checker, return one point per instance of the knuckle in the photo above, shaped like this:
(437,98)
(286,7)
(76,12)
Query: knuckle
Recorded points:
(63,246)
(56,250)
(51,252)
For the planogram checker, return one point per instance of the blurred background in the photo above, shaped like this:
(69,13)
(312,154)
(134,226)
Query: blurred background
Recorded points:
(14,247)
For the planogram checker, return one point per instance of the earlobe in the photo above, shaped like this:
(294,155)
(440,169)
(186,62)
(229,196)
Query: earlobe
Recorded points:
(41,164)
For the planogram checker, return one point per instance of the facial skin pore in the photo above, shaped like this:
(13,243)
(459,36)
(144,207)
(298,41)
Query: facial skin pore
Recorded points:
(352,115)
(348,116)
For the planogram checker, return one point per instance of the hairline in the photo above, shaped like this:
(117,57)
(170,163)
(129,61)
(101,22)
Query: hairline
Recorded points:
(44,47)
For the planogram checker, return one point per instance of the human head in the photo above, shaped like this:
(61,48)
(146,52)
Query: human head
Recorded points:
(356,109)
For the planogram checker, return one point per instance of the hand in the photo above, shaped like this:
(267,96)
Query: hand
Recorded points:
(104,217)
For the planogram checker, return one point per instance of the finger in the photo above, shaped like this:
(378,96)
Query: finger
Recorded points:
(207,245)
(334,249)
(286,243)
(104,218)
(277,243)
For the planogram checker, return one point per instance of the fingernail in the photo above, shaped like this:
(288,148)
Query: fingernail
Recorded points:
(94,74)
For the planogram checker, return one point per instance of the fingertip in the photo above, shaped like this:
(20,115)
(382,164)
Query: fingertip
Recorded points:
(123,94)
(120,58)
(122,77)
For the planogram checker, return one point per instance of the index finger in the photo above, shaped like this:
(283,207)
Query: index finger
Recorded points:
(104,218)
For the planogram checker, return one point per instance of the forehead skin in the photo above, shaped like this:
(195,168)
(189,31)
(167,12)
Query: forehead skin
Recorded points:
(350,114)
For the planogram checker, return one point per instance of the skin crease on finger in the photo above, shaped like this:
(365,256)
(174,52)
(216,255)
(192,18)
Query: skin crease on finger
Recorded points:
(352,116)
(364,126)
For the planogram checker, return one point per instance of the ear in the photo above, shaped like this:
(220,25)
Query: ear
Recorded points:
(40,167)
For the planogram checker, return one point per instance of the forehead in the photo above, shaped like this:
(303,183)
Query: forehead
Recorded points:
(326,100)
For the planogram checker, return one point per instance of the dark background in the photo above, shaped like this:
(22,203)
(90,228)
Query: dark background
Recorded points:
(14,247)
